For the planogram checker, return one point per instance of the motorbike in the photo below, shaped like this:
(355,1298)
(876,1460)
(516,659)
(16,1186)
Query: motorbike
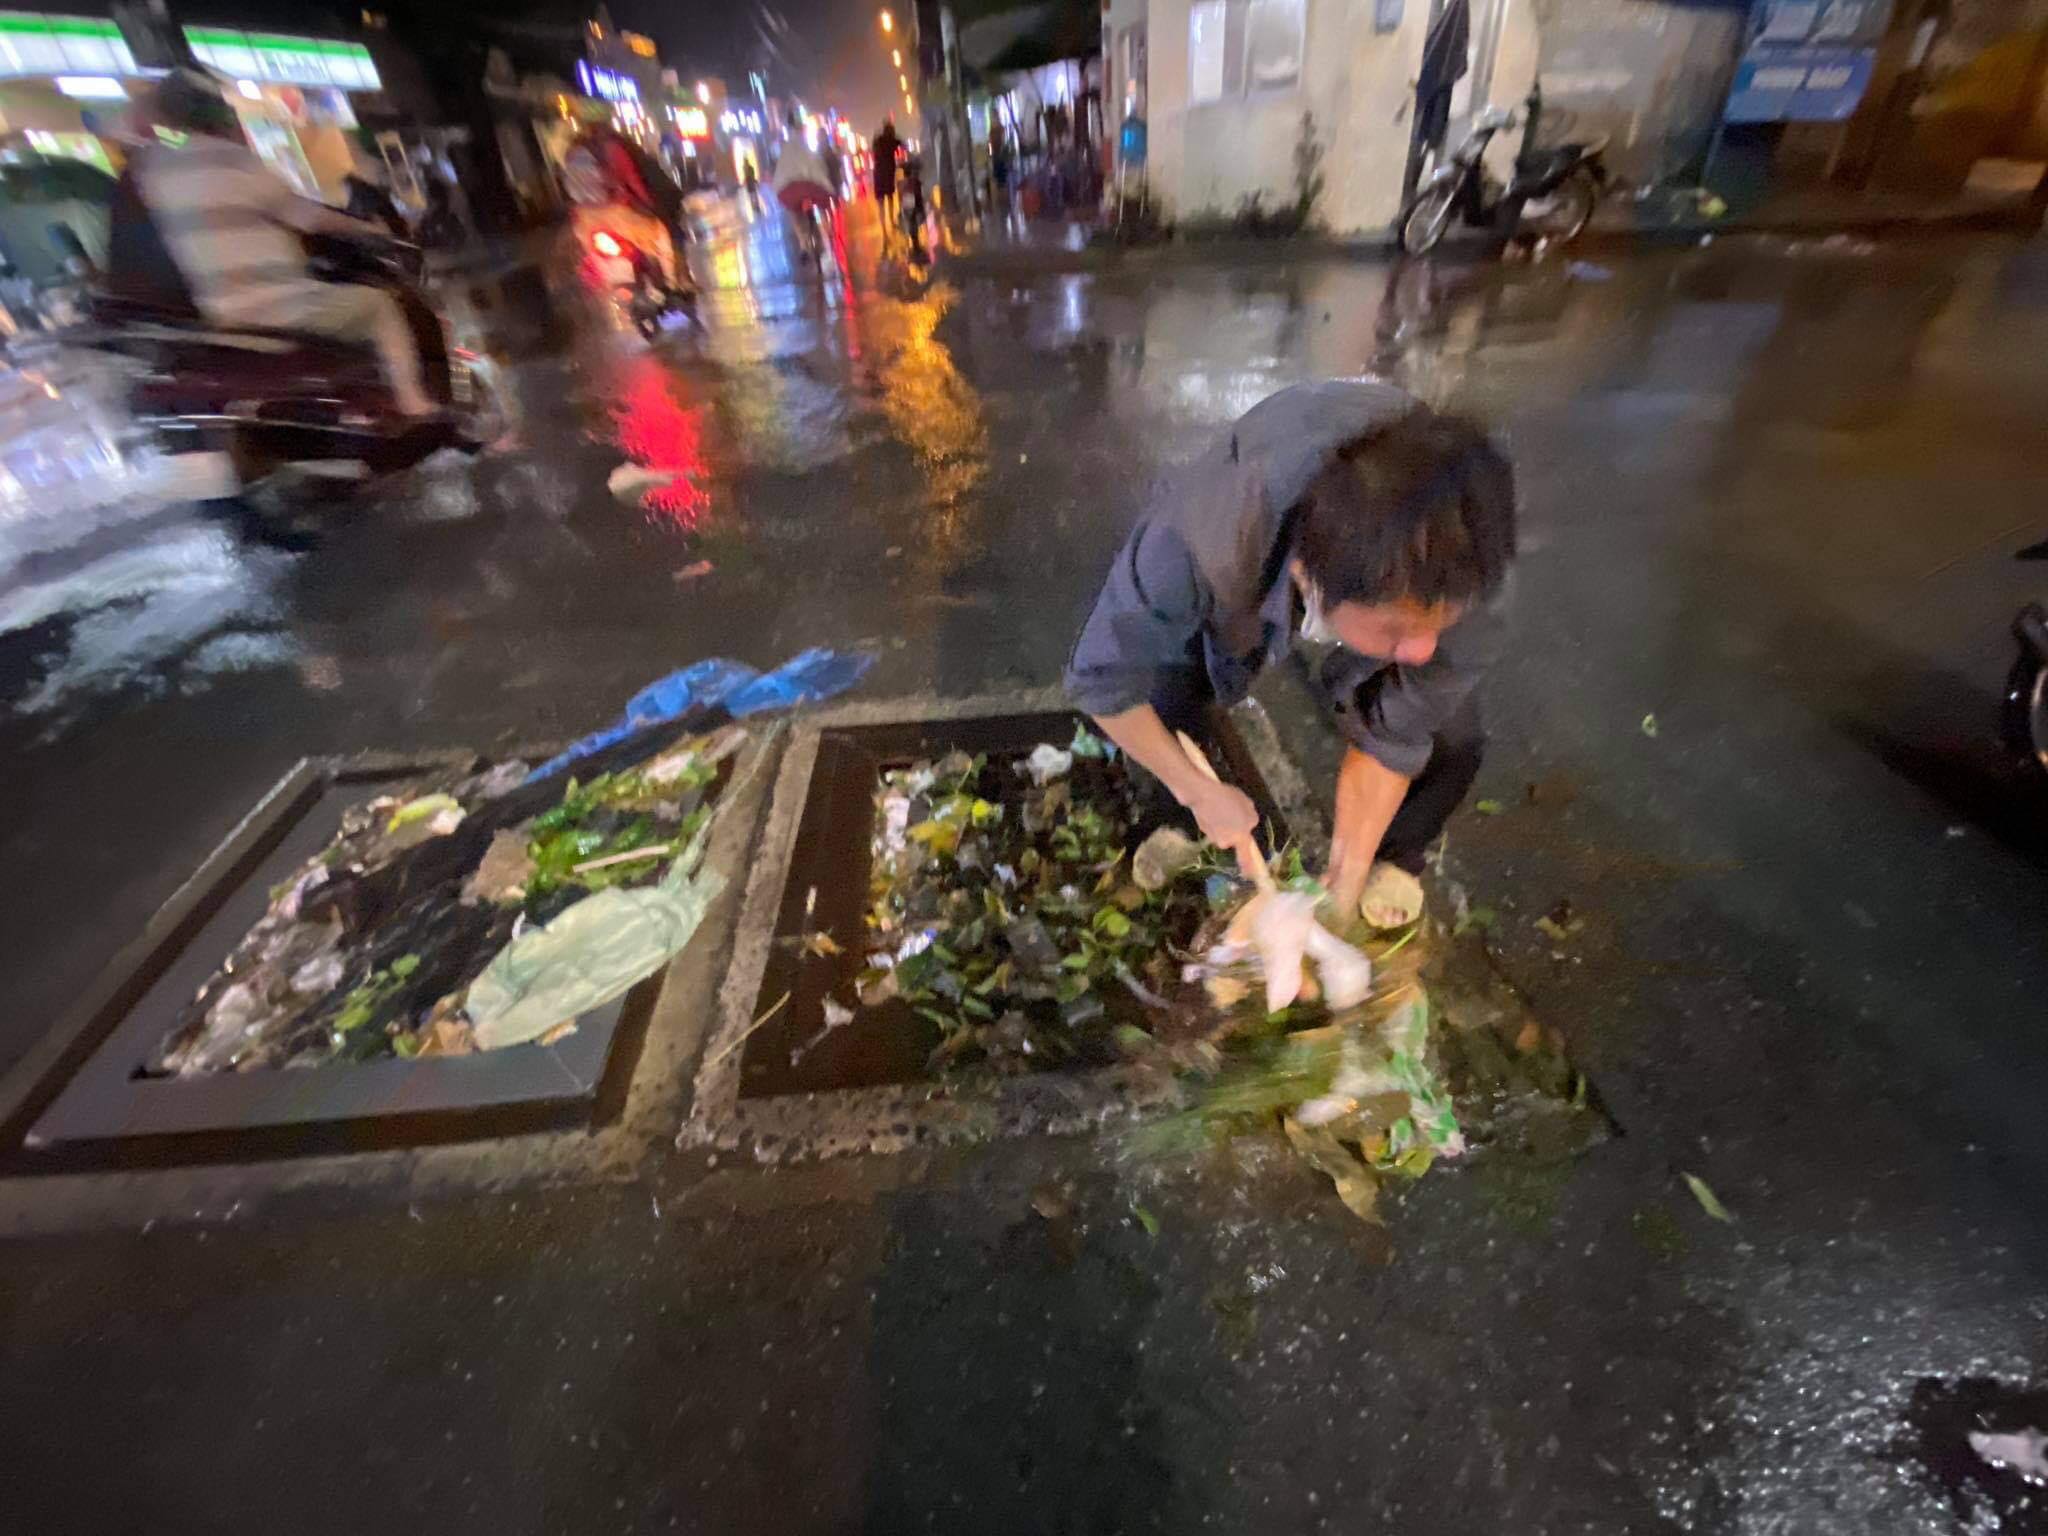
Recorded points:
(1550,191)
(615,265)
(2026,685)
(264,399)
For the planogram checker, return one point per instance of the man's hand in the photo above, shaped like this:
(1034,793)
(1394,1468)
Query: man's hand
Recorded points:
(1346,884)
(1226,816)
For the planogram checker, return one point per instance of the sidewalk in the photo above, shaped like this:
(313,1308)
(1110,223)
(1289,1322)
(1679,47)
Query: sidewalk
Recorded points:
(1051,246)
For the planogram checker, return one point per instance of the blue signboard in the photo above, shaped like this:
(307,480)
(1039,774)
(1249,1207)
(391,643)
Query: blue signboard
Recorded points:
(1799,85)
(1808,61)
(1130,146)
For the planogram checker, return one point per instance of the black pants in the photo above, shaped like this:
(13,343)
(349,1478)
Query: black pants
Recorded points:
(1183,698)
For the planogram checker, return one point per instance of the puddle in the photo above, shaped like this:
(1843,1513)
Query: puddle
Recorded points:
(1940,1417)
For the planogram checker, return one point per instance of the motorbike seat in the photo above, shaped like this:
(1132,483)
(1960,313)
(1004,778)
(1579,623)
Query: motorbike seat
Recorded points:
(1542,164)
(137,317)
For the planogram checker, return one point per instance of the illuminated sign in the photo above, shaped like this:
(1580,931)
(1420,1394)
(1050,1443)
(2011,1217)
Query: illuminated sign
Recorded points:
(605,84)
(62,45)
(691,122)
(84,48)
(644,46)
(91,87)
(284,60)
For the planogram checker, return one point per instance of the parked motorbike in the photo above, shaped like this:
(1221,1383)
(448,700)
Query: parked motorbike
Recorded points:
(266,399)
(2026,685)
(1551,192)
(616,266)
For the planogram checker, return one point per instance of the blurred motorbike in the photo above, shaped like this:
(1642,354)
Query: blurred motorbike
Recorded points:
(1551,192)
(265,398)
(614,264)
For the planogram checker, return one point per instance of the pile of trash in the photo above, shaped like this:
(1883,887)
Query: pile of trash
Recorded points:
(1020,908)
(1353,1082)
(492,907)
(475,912)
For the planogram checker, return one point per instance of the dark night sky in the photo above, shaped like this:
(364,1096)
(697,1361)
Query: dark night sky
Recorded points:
(829,52)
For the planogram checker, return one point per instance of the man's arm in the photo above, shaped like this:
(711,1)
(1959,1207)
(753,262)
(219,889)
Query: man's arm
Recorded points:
(280,204)
(1368,794)
(1391,728)
(1225,815)
(311,218)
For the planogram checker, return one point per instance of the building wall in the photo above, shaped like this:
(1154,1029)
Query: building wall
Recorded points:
(1207,158)
(1651,74)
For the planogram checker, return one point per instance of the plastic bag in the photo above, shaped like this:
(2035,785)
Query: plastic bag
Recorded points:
(591,953)
(817,674)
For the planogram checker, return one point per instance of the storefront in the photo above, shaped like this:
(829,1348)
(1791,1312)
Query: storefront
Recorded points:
(65,80)
(292,94)
(62,81)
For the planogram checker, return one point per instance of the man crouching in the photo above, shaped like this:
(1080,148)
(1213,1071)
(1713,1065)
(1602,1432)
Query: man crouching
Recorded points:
(1338,511)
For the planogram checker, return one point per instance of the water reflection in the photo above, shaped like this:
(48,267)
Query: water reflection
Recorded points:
(656,430)
(931,408)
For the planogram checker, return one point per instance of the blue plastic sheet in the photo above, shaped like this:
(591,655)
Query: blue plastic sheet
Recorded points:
(817,674)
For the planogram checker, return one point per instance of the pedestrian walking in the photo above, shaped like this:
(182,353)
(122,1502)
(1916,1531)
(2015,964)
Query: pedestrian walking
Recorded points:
(1336,511)
(886,145)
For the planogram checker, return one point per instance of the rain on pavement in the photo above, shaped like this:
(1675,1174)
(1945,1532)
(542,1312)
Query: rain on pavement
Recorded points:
(1771,494)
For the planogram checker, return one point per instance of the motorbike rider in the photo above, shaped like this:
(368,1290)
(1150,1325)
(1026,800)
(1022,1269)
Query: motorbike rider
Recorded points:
(614,186)
(232,228)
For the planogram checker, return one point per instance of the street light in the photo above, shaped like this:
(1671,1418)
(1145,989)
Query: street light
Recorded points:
(888,22)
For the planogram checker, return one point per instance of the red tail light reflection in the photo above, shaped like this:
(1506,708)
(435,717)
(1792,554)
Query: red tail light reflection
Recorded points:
(655,430)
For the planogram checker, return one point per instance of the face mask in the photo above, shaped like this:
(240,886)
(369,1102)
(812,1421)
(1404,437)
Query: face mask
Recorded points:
(1315,624)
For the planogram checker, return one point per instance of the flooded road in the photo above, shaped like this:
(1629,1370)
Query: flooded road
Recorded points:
(1771,493)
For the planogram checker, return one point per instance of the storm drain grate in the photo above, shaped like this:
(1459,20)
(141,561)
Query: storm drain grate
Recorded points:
(773,1079)
(90,1105)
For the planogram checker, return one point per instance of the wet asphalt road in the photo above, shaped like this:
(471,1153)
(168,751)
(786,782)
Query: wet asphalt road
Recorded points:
(1771,497)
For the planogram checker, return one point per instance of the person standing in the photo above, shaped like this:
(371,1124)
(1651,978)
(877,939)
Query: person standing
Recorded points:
(1343,511)
(886,147)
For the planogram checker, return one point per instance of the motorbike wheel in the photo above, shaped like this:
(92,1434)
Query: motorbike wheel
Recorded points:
(2026,712)
(1423,225)
(1561,214)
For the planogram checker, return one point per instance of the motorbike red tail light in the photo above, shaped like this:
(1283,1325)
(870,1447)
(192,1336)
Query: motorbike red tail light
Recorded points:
(605,243)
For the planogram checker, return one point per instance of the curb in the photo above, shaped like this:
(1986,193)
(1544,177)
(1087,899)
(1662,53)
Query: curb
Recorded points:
(1050,261)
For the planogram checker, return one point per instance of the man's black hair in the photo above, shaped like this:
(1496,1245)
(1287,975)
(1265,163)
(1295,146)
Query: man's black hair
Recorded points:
(1423,509)
(191,101)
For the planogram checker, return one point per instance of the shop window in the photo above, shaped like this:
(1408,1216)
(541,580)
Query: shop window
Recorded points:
(1237,47)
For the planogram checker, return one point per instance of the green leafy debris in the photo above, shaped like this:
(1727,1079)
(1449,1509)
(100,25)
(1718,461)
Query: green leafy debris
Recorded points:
(1006,911)
(1709,1201)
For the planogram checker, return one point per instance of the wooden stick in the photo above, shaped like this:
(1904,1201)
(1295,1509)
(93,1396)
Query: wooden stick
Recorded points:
(1248,853)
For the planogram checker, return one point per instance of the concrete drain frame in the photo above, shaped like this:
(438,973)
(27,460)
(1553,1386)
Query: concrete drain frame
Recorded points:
(893,1116)
(83,1104)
